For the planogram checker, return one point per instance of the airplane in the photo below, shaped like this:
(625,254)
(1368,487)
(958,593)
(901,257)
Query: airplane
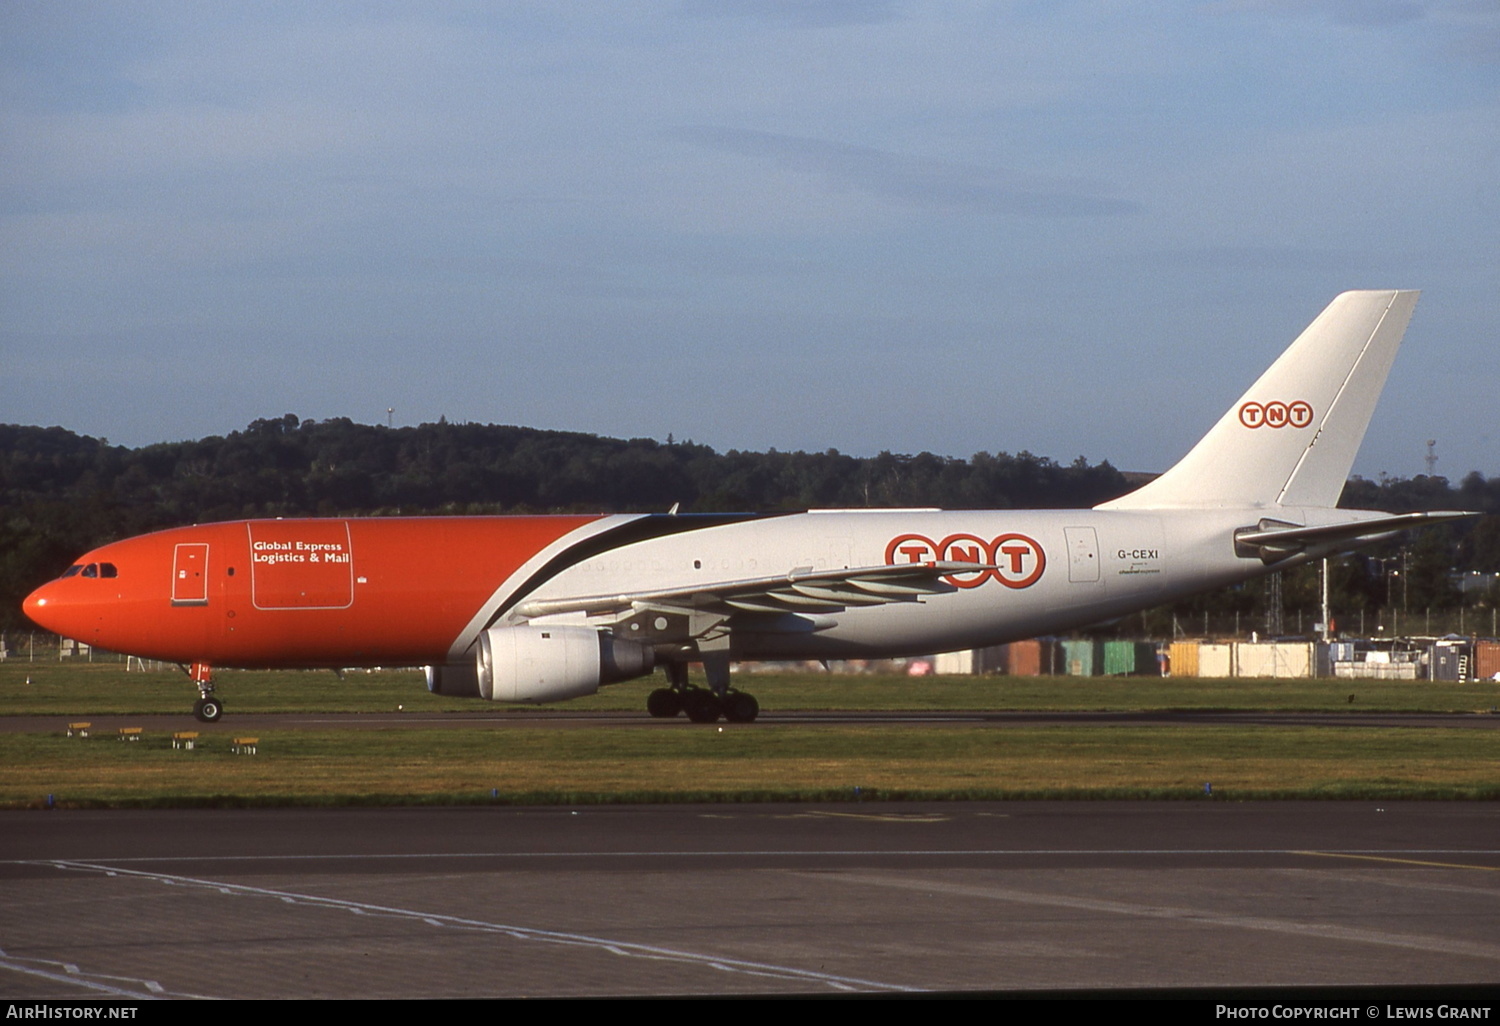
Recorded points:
(538,609)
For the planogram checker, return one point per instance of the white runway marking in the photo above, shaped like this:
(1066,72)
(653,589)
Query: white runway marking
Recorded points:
(71,974)
(1358,935)
(522,933)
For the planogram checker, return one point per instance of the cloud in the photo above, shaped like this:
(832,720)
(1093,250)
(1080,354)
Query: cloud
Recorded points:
(914,180)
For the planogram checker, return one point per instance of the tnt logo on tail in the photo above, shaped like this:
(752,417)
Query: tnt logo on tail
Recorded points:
(1276,415)
(1014,560)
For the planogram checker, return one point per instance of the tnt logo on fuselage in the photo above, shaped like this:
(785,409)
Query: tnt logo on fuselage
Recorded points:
(1014,560)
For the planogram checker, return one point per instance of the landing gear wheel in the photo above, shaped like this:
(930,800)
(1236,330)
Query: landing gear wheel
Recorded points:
(664,703)
(740,707)
(702,706)
(208,710)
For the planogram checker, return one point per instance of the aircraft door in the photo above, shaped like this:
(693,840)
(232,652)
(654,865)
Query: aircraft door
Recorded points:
(1083,554)
(190,574)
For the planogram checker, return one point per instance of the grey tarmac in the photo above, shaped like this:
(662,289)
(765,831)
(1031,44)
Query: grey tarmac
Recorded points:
(747,899)
(565,719)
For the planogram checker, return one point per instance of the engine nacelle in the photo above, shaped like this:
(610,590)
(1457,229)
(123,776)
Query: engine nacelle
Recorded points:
(456,680)
(548,664)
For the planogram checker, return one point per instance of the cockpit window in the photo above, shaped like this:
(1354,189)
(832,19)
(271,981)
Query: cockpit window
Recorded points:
(92,570)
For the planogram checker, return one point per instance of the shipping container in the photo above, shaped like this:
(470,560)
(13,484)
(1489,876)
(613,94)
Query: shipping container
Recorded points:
(1023,658)
(1487,660)
(970,661)
(1285,659)
(1119,657)
(1451,660)
(1375,671)
(1323,657)
(1078,657)
(955,663)
(1215,660)
(1184,655)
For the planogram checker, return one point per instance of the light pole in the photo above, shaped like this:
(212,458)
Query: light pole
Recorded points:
(1325,598)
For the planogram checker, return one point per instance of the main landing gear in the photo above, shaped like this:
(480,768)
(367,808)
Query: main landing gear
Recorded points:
(702,705)
(207,709)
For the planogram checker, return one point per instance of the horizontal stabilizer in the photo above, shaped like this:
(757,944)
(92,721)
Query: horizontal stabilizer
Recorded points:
(1273,542)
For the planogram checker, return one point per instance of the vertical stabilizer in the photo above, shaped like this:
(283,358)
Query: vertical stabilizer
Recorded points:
(1291,439)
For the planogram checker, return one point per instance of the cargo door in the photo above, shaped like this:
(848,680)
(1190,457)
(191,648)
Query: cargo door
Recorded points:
(190,574)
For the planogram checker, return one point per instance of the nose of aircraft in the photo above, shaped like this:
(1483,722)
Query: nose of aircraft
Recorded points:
(43,607)
(60,609)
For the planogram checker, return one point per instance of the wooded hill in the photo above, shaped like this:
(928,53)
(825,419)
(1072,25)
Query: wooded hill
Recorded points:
(62,493)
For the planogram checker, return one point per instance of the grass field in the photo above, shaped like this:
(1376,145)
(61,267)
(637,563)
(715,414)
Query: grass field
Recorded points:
(81,689)
(764,761)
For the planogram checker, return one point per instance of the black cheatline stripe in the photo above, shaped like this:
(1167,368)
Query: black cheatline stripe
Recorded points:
(647,528)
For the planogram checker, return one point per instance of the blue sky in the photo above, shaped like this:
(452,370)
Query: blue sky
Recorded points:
(1071,228)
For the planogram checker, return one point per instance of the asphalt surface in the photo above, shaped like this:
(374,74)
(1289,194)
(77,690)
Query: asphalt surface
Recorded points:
(750,899)
(555,719)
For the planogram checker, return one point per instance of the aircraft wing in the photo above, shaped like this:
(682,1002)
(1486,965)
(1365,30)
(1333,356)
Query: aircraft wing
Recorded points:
(803,590)
(1274,541)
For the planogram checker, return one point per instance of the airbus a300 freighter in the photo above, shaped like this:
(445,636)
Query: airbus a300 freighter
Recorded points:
(544,608)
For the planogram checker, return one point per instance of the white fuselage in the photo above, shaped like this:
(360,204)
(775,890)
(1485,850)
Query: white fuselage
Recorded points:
(1094,566)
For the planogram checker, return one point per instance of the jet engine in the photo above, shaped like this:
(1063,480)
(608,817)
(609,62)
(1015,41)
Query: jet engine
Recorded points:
(456,680)
(548,664)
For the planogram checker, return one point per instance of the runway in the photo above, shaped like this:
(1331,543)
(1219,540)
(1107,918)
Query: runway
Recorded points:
(750,899)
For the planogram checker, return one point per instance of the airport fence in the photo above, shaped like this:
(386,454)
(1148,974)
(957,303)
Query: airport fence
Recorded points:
(42,647)
(1389,622)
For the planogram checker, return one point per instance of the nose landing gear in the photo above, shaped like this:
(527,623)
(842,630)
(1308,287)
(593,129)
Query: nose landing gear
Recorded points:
(207,709)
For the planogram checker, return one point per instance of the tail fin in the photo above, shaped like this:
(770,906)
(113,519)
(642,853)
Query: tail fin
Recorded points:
(1291,439)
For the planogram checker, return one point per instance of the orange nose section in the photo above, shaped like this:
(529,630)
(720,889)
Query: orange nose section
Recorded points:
(45,609)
